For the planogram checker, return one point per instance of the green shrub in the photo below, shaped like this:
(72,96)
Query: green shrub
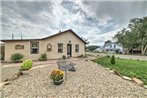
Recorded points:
(108,56)
(16,57)
(80,56)
(85,55)
(63,57)
(112,59)
(26,65)
(43,57)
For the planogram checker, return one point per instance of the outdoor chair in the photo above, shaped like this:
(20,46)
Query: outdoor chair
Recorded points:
(64,66)
(61,65)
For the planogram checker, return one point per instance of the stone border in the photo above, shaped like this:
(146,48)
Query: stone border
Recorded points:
(135,80)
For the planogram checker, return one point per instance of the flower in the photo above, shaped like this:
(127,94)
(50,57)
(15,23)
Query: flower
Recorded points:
(57,75)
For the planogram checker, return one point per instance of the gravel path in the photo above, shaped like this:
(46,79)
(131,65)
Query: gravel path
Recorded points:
(89,81)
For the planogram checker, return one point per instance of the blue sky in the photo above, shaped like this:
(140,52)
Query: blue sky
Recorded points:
(97,21)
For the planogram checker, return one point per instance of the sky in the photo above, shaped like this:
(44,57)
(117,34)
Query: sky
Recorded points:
(95,20)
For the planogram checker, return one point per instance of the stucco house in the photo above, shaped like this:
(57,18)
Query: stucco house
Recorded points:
(66,43)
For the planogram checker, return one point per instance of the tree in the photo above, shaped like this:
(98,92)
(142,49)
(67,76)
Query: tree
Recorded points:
(139,25)
(108,41)
(86,40)
(92,47)
(126,38)
(135,35)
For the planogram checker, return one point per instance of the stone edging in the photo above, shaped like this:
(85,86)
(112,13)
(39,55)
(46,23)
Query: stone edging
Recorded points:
(135,80)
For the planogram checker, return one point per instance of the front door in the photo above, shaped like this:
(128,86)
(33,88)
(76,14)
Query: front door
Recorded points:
(69,50)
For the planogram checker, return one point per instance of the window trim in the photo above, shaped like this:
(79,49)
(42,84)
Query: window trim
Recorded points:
(34,47)
(49,49)
(58,47)
(18,45)
(77,48)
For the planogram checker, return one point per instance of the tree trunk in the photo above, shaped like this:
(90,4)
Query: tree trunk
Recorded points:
(143,49)
(128,51)
(132,51)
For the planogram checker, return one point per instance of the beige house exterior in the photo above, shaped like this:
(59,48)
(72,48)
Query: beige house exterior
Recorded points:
(66,43)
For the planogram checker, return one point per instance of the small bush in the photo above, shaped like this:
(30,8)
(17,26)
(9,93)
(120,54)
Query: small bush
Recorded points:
(43,57)
(108,56)
(85,55)
(26,65)
(16,57)
(112,59)
(63,57)
(80,56)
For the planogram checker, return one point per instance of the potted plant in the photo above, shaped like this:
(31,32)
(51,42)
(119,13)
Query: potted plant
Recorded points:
(57,76)
(26,65)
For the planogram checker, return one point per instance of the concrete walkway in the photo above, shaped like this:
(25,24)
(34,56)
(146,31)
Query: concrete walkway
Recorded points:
(10,70)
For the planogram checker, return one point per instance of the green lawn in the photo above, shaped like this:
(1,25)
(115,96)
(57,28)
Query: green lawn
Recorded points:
(130,68)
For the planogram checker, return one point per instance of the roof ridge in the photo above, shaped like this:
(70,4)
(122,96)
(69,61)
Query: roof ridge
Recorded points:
(46,37)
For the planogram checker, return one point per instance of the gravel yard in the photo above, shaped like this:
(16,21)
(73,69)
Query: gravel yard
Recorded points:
(89,81)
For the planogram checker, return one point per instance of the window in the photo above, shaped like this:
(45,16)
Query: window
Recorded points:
(19,47)
(60,48)
(34,47)
(110,46)
(114,46)
(76,48)
(49,47)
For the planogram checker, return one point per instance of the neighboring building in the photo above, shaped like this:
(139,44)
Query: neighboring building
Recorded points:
(112,47)
(55,46)
(100,49)
(2,48)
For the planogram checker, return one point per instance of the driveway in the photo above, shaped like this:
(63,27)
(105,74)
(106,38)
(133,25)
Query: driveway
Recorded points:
(121,56)
(10,70)
(89,81)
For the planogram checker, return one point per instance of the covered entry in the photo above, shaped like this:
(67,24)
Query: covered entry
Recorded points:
(69,50)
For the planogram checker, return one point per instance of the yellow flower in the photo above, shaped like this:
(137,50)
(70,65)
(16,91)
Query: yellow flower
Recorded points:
(61,72)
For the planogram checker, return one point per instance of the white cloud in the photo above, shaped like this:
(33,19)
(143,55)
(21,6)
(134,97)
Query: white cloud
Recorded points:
(96,21)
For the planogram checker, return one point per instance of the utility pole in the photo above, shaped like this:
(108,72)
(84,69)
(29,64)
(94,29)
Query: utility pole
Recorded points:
(12,36)
(21,37)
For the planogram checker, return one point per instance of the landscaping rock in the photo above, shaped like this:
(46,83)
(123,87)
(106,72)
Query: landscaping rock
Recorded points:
(117,73)
(107,68)
(126,78)
(145,86)
(6,83)
(89,81)
(112,71)
(3,84)
(137,81)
